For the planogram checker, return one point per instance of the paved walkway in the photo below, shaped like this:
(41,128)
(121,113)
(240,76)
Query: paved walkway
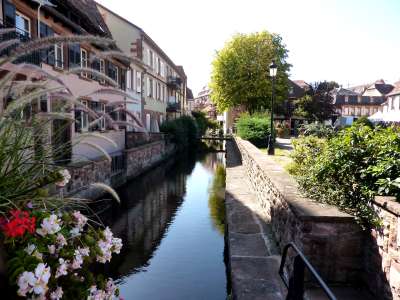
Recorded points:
(254,262)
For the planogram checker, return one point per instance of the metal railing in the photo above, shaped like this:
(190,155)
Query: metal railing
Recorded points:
(295,285)
(31,58)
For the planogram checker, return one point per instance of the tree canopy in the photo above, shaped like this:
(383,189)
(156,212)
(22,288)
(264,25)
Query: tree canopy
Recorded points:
(317,104)
(240,74)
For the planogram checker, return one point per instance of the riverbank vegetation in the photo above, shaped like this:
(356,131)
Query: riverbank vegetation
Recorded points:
(185,130)
(349,168)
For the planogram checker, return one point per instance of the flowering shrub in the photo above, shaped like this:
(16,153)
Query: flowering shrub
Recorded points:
(50,254)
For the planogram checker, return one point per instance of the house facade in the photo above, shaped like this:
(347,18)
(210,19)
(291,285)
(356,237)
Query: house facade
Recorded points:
(360,101)
(163,84)
(77,18)
(391,107)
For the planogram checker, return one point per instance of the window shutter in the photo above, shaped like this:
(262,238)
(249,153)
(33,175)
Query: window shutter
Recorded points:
(122,79)
(139,82)
(9,14)
(74,56)
(78,115)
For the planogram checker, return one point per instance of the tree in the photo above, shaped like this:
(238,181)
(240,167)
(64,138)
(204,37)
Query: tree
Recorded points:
(317,104)
(240,74)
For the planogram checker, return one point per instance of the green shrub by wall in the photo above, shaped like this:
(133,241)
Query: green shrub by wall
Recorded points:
(254,128)
(350,168)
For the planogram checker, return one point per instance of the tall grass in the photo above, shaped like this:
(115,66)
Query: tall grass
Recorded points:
(32,151)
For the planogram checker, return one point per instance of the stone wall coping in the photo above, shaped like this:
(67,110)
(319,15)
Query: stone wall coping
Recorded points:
(138,148)
(388,203)
(305,208)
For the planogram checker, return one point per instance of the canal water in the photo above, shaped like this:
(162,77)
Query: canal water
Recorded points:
(171,221)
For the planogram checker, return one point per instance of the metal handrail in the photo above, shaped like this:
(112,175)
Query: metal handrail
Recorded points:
(295,285)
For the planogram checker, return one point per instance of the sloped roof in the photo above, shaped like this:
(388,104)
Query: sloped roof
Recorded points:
(301,83)
(345,92)
(189,94)
(379,85)
(91,20)
(396,89)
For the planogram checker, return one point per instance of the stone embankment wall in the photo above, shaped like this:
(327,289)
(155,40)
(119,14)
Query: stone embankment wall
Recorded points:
(135,161)
(334,243)
(330,239)
(382,251)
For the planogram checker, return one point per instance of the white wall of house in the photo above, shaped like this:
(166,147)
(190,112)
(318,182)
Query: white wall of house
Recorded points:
(79,88)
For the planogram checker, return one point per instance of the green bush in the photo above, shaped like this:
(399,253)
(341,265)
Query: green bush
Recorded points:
(254,128)
(349,169)
(183,130)
(317,129)
(203,123)
(364,121)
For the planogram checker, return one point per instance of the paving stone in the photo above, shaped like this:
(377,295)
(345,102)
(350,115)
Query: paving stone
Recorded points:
(247,245)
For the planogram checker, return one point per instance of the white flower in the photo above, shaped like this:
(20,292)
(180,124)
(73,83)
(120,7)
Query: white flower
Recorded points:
(117,245)
(75,232)
(25,282)
(30,248)
(77,262)
(61,241)
(84,251)
(62,268)
(108,235)
(107,246)
(52,249)
(66,176)
(57,294)
(80,219)
(50,225)
(42,274)
(36,282)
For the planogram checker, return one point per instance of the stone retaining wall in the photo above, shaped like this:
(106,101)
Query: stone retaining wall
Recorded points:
(381,251)
(330,239)
(137,161)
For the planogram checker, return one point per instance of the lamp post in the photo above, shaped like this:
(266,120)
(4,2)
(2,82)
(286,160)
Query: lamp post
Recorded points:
(273,68)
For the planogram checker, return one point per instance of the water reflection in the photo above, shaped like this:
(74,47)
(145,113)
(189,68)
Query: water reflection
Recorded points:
(171,248)
(216,199)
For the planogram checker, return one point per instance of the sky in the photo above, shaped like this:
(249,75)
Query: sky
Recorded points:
(349,41)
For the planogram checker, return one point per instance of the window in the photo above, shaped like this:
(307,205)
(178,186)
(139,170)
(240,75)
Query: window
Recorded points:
(102,69)
(22,24)
(84,62)
(113,71)
(59,55)
(74,56)
(158,66)
(138,82)
(129,79)
(148,122)
(151,58)
(103,120)
(148,87)
(84,119)
(43,103)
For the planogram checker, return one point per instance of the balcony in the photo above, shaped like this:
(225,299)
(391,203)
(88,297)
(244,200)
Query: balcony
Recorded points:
(33,58)
(173,105)
(174,82)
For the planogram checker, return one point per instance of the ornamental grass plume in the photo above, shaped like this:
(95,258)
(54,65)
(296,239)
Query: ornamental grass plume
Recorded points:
(50,244)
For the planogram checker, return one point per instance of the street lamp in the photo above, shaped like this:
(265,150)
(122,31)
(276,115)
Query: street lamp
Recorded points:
(273,68)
